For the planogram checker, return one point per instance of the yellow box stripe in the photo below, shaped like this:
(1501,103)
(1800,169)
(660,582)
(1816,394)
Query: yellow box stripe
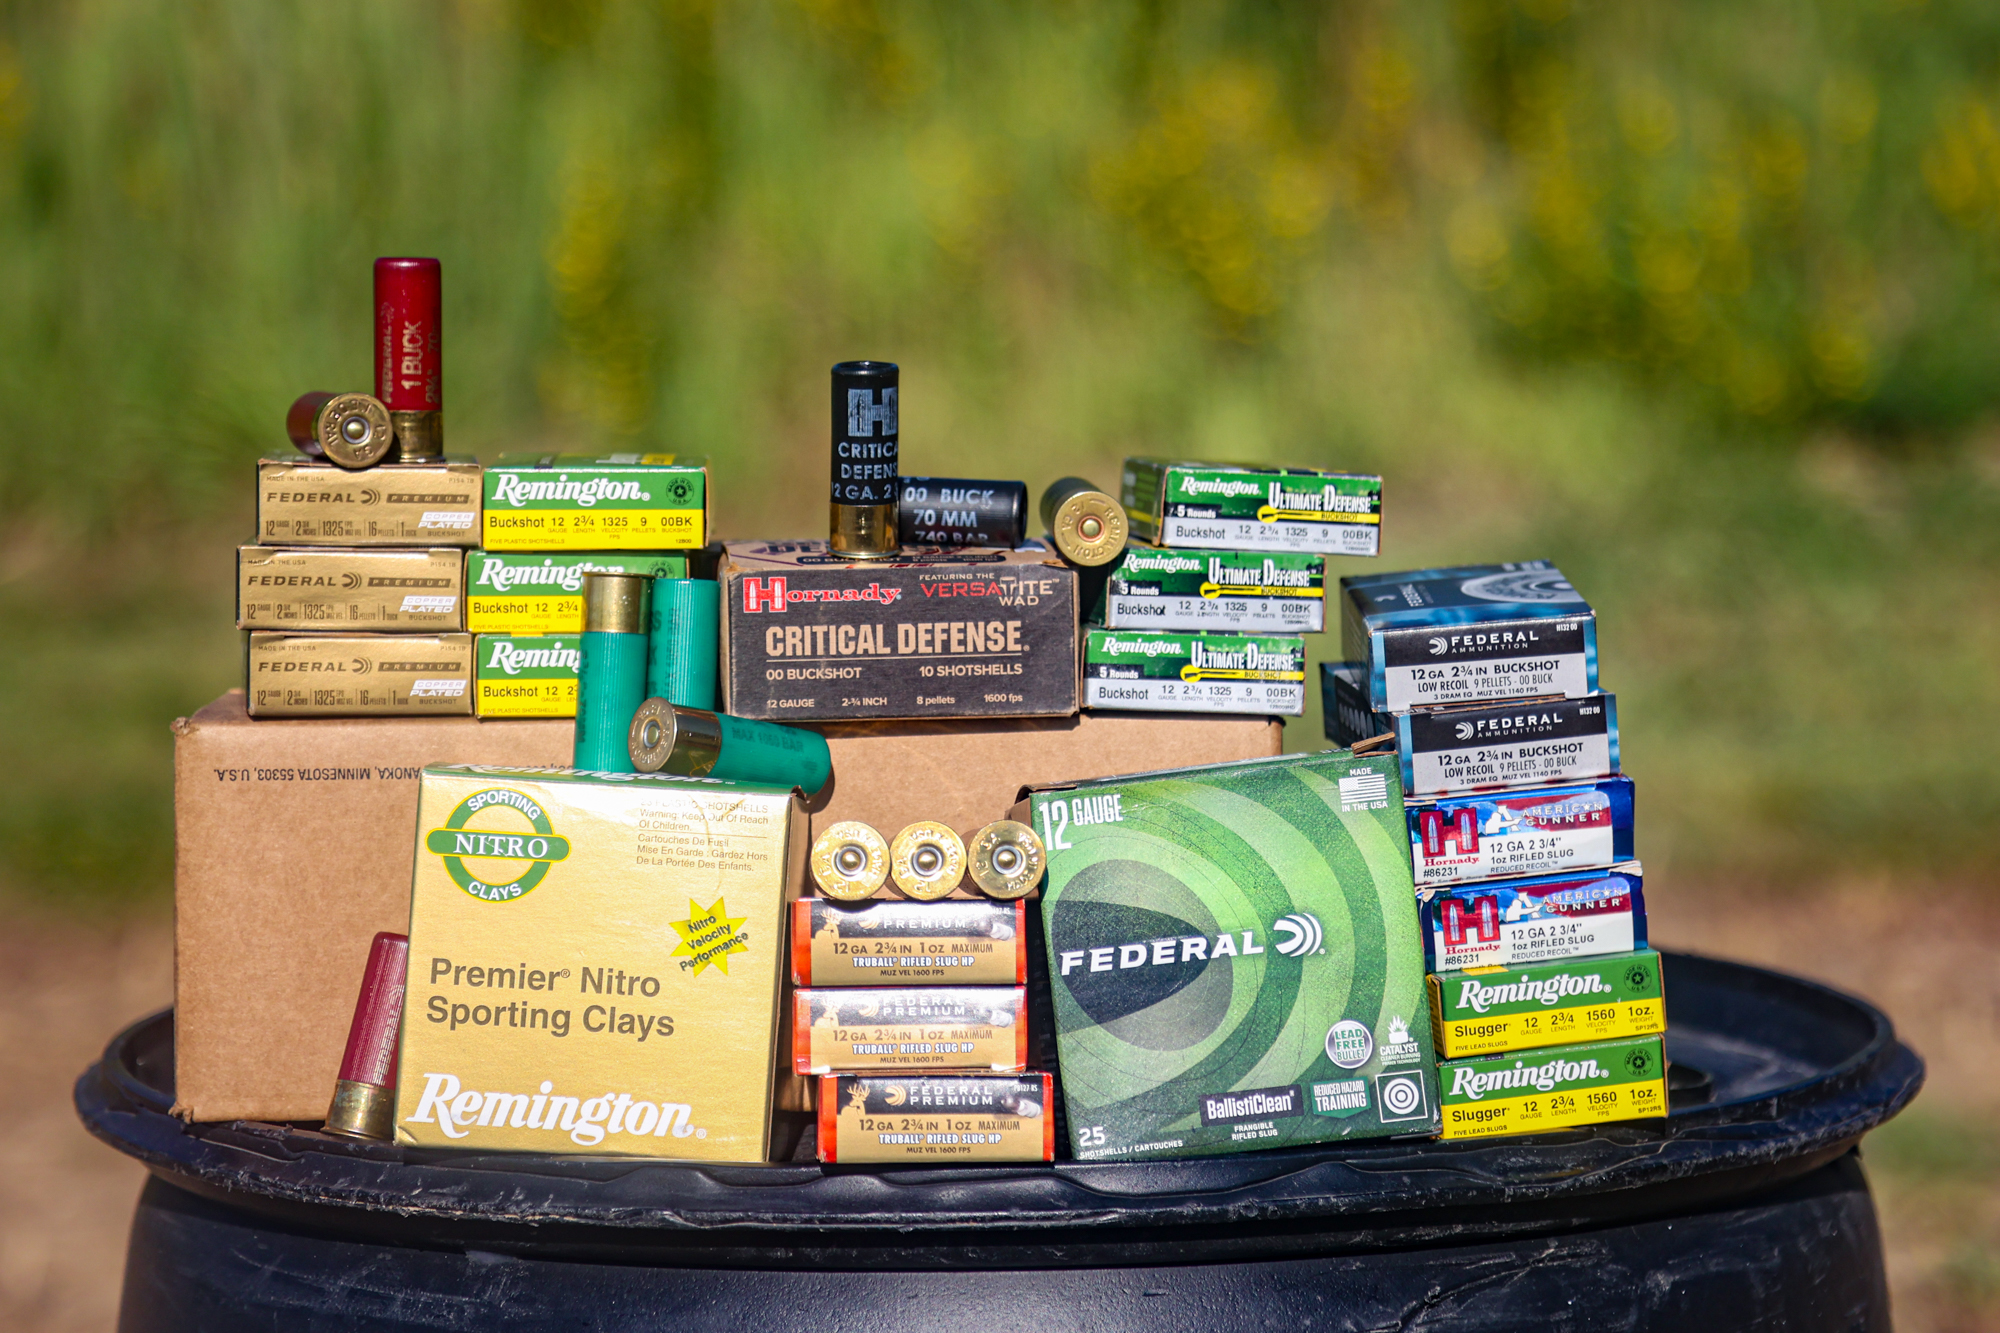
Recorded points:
(1539,1111)
(551,698)
(560,613)
(593,529)
(1551,1027)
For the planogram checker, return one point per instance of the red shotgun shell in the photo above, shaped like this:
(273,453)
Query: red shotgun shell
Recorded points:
(364,1099)
(409,352)
(350,429)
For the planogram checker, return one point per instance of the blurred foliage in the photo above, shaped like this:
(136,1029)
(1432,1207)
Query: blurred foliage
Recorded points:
(1700,300)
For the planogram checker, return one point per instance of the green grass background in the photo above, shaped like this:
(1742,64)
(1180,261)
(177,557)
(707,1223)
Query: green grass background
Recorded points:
(1697,299)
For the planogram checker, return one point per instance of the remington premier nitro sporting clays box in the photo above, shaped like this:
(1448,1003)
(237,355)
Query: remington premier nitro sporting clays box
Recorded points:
(1489,1009)
(1234,957)
(1233,592)
(1185,672)
(1533,831)
(514,592)
(1507,922)
(527,675)
(578,502)
(1538,1091)
(370,588)
(1218,506)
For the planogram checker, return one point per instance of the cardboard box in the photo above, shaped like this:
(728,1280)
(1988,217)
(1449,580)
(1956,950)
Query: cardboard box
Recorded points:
(358,675)
(581,502)
(330,588)
(533,592)
(1530,831)
(909,944)
(1538,1091)
(1228,592)
(936,1028)
(975,633)
(293,845)
(525,675)
(936,1120)
(1486,1010)
(304,503)
(1511,922)
(1169,672)
(1220,506)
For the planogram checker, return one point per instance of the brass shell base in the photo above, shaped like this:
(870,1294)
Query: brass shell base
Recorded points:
(863,532)
(1007,859)
(362,1111)
(927,861)
(850,861)
(418,434)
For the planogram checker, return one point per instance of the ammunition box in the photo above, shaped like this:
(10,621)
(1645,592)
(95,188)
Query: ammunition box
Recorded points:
(1234,958)
(1216,506)
(903,944)
(301,502)
(359,675)
(532,593)
(595,965)
(1159,671)
(1510,922)
(936,1121)
(1232,592)
(1548,1090)
(971,633)
(1533,831)
(1489,1009)
(527,675)
(931,1027)
(367,589)
(577,502)
(1468,633)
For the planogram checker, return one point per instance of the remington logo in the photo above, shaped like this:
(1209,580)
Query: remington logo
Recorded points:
(1478,997)
(1146,647)
(510,488)
(1473,1084)
(1221,485)
(504,576)
(512,660)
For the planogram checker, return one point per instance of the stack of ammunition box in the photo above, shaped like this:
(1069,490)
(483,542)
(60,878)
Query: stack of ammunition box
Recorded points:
(1484,680)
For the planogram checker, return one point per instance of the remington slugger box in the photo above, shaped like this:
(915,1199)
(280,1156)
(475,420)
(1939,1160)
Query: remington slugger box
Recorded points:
(364,589)
(577,502)
(303,503)
(1234,958)
(595,964)
(1241,592)
(532,593)
(974,633)
(1218,506)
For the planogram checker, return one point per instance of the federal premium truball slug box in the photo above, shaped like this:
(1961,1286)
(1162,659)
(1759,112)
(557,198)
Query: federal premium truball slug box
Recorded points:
(582,502)
(886,943)
(856,1030)
(304,503)
(369,589)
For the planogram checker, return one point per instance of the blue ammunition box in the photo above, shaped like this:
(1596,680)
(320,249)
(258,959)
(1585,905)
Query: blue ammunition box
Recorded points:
(1539,919)
(1525,831)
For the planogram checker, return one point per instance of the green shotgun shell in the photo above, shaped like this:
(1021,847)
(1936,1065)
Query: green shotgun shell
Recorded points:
(611,679)
(682,663)
(693,742)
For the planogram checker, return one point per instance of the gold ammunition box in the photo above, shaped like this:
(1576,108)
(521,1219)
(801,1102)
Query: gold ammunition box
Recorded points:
(301,502)
(330,588)
(359,675)
(903,944)
(970,1028)
(937,1121)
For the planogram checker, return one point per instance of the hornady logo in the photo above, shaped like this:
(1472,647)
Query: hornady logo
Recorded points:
(512,660)
(1473,1084)
(512,489)
(1465,643)
(1478,997)
(1524,723)
(587,1120)
(1300,933)
(501,576)
(772,595)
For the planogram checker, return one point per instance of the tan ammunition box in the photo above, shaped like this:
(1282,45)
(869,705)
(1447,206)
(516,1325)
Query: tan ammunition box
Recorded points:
(909,944)
(948,1028)
(359,675)
(330,588)
(305,503)
(940,1120)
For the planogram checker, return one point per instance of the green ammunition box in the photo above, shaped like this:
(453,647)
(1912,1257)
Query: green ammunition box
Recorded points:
(526,675)
(1234,592)
(1485,1009)
(576,502)
(1531,1092)
(1216,506)
(534,593)
(1186,672)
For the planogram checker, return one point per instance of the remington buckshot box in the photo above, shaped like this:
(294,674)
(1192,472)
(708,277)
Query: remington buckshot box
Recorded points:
(365,589)
(1234,957)
(1507,922)
(595,964)
(936,1120)
(1489,1009)
(1533,831)
(1185,672)
(358,675)
(1218,506)
(533,593)
(952,943)
(1538,1091)
(577,502)
(1463,634)
(1235,592)
(931,1027)
(527,675)
(304,503)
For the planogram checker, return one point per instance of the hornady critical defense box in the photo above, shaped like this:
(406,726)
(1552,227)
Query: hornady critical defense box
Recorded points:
(303,503)
(1536,831)
(577,502)
(366,589)
(1539,1091)
(940,1120)
(1458,747)
(359,675)
(532,593)
(1184,672)
(973,633)
(1507,922)
(1459,635)
(1490,1009)
(932,1027)
(914,943)
(527,675)
(1218,506)
(1241,592)
(595,964)
(1234,957)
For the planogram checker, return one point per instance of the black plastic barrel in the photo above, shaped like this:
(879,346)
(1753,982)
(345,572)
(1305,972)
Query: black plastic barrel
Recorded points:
(1746,1209)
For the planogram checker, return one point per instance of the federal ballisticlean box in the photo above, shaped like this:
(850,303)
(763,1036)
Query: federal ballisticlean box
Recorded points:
(1531,831)
(580,502)
(529,592)
(1187,672)
(1537,1091)
(527,675)
(1488,1009)
(1241,592)
(1507,922)
(1221,506)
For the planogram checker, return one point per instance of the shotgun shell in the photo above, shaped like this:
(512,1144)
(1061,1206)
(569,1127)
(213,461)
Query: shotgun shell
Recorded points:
(1088,525)
(1007,859)
(926,860)
(364,1097)
(611,674)
(862,520)
(681,661)
(850,861)
(693,742)
(409,353)
(350,430)
(956,511)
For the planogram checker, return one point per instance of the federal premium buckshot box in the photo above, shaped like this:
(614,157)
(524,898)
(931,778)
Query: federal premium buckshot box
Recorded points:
(949,942)
(526,675)
(1189,672)
(533,592)
(1525,831)
(1485,1010)
(581,502)
(1507,922)
(365,589)
(1233,592)
(358,675)
(1221,506)
(1534,1092)
(923,1027)
(305,503)
(936,1120)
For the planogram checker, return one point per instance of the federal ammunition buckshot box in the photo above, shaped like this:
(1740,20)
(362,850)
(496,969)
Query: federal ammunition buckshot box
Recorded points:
(532,592)
(940,1120)
(972,633)
(366,589)
(1218,506)
(527,675)
(928,1027)
(1187,672)
(305,503)
(1490,1009)
(358,675)
(1233,592)
(1530,831)
(1538,1091)
(902,944)
(580,502)
(1509,922)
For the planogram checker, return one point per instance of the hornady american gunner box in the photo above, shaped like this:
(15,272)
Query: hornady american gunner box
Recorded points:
(1220,506)
(951,943)
(1490,1009)
(1537,1091)
(808,634)
(928,1027)
(1533,831)
(1504,922)
(1463,634)
(304,503)
(937,1119)
(578,502)
(1234,592)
